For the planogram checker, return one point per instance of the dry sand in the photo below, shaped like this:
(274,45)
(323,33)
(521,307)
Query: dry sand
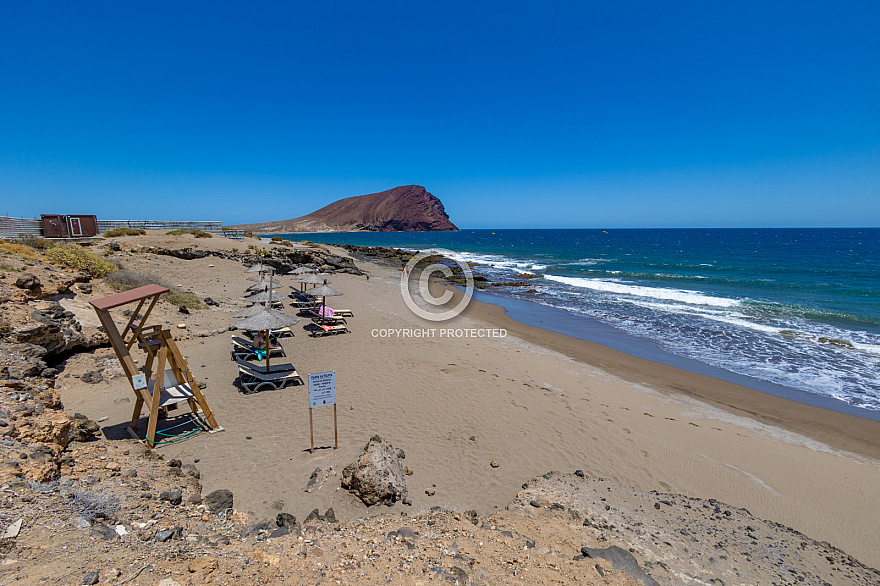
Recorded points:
(532,401)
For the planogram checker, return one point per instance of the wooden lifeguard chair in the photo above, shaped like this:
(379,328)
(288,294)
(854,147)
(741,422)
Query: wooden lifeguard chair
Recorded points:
(165,367)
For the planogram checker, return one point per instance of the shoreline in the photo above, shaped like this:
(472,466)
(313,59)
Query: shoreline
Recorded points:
(844,431)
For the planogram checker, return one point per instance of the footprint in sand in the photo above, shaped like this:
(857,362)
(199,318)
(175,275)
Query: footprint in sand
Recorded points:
(692,423)
(626,430)
(648,414)
(669,418)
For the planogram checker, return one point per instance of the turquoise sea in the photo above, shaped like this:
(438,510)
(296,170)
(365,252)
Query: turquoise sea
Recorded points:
(796,307)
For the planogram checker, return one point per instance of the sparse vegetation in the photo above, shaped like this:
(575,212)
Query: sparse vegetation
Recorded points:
(194,231)
(76,257)
(124,232)
(19,250)
(5,266)
(277,239)
(124,280)
(33,241)
(188,300)
(94,506)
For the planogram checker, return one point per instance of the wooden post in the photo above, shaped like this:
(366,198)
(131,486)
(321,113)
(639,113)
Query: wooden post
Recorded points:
(311,430)
(335,430)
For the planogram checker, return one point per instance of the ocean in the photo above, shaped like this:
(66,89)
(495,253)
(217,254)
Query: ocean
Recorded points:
(795,308)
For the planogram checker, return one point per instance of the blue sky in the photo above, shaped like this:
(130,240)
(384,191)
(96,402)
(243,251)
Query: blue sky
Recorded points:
(552,114)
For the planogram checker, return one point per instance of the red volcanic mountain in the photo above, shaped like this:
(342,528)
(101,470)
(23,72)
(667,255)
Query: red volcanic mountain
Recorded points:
(408,208)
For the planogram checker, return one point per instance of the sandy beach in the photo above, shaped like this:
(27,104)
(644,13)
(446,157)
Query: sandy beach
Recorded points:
(531,401)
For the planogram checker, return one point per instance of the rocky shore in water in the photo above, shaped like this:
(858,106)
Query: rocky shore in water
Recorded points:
(77,508)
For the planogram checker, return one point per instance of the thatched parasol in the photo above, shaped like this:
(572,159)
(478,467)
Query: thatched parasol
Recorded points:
(311,279)
(259,268)
(263,286)
(254,310)
(323,291)
(301,270)
(263,297)
(267,320)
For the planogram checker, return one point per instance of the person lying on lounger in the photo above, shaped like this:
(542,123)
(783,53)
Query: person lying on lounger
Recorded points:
(260,345)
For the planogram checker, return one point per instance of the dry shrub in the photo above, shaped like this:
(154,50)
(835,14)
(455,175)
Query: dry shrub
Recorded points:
(5,266)
(78,258)
(124,279)
(124,232)
(94,505)
(194,231)
(189,300)
(34,241)
(19,250)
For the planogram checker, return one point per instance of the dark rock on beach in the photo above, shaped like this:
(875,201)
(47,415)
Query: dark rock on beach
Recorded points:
(219,500)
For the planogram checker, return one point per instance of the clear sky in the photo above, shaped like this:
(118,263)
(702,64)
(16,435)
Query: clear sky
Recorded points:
(514,114)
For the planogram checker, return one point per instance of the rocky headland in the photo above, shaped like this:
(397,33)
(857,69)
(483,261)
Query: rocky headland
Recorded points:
(407,208)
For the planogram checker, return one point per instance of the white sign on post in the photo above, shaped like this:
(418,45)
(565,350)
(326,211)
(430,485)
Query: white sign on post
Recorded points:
(322,389)
(139,381)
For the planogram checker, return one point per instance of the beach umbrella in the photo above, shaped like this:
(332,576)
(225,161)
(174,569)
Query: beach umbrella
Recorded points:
(259,268)
(311,279)
(267,320)
(263,297)
(253,310)
(263,286)
(301,270)
(323,292)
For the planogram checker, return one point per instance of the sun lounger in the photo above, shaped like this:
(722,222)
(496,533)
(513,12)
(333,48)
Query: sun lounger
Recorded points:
(328,321)
(252,380)
(244,349)
(325,330)
(343,313)
(274,368)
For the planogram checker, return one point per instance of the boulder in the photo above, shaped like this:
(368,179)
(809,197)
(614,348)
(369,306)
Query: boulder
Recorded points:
(27,281)
(92,377)
(82,428)
(377,476)
(219,500)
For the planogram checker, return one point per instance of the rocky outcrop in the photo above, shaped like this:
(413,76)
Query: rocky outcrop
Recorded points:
(679,539)
(377,477)
(281,258)
(55,329)
(408,208)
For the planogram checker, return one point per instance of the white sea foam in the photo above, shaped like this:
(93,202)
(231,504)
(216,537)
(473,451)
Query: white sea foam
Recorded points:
(870,348)
(679,295)
(497,261)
